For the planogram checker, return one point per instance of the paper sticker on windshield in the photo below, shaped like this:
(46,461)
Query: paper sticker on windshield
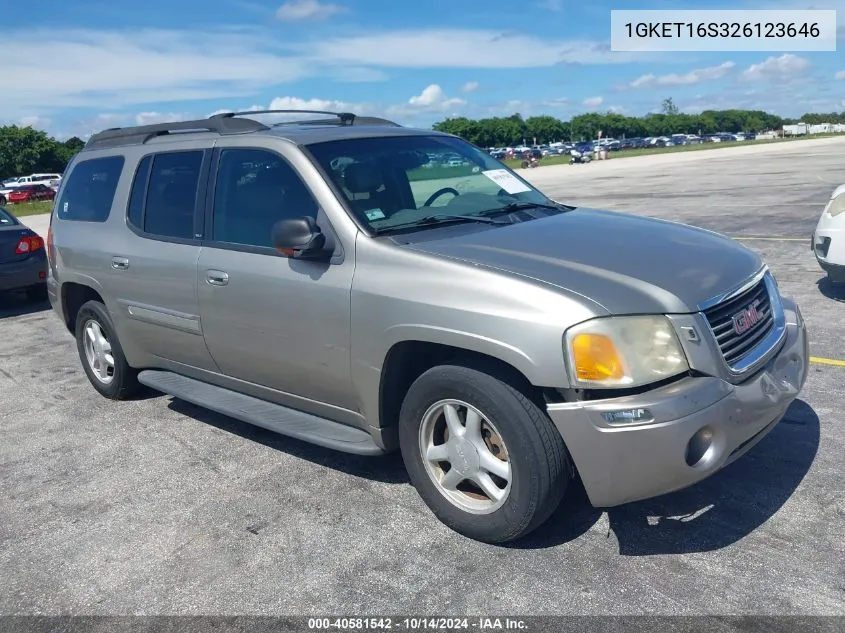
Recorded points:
(506,180)
(374,214)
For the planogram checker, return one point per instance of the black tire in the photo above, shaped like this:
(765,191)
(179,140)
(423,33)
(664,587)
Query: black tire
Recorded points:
(124,379)
(3,200)
(540,467)
(37,294)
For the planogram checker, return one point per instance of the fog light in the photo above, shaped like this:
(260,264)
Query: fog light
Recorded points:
(699,445)
(628,416)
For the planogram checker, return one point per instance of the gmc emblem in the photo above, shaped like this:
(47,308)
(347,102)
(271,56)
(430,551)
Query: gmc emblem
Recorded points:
(746,318)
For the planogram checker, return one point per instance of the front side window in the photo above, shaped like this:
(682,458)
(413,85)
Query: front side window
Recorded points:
(255,189)
(89,191)
(390,182)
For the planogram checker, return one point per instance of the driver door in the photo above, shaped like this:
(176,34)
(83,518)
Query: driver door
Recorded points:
(276,322)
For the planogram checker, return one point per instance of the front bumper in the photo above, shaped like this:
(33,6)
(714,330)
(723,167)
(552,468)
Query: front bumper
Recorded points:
(24,274)
(828,245)
(618,464)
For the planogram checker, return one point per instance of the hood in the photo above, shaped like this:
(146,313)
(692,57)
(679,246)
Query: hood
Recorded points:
(626,263)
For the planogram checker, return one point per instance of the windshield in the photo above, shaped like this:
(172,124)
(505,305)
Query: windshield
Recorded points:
(6,218)
(390,182)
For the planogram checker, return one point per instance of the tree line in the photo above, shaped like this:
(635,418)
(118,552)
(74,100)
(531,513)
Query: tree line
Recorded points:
(24,151)
(514,130)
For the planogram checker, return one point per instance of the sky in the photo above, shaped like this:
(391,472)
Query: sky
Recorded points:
(99,63)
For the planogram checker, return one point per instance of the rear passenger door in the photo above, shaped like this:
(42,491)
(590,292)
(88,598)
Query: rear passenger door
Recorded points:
(154,266)
(277,322)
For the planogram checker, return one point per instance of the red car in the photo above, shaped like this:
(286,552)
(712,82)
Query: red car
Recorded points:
(31,193)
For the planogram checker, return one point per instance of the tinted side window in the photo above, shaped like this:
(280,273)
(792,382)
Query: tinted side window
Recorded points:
(89,192)
(172,194)
(135,212)
(255,189)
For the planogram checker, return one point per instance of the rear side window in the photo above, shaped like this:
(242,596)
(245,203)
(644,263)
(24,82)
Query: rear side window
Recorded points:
(135,212)
(89,191)
(164,194)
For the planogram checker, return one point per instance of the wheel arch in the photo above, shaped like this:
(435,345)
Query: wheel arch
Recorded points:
(407,360)
(73,296)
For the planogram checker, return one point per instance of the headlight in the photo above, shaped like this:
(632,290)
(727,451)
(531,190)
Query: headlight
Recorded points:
(624,351)
(836,205)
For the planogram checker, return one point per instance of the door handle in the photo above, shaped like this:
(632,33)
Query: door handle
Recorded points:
(216,277)
(119,263)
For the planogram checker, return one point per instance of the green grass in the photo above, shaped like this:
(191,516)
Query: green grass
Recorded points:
(630,153)
(30,208)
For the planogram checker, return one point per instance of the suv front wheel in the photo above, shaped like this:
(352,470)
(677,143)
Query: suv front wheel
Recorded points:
(485,459)
(101,354)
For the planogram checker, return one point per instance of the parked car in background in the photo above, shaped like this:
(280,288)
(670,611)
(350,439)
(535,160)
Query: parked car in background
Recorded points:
(34,179)
(828,242)
(23,258)
(5,190)
(31,193)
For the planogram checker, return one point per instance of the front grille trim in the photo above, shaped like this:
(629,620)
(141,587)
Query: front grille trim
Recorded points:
(745,353)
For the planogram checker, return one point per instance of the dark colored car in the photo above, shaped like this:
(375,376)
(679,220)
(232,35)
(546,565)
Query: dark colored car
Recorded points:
(23,258)
(31,193)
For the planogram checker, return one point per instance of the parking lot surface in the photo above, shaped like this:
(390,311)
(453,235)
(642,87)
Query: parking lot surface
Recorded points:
(158,507)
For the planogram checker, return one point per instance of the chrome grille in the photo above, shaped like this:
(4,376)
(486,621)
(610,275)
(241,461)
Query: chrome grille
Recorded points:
(734,345)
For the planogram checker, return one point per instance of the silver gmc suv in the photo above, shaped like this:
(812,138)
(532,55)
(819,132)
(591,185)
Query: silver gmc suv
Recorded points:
(369,287)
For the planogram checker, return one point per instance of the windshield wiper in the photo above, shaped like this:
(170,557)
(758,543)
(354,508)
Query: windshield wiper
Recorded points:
(443,218)
(521,206)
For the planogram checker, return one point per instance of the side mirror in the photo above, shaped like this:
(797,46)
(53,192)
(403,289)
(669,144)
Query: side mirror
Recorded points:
(299,237)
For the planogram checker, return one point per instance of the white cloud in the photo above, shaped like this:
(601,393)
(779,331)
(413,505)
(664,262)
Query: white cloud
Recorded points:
(330,105)
(690,78)
(840,74)
(593,102)
(433,98)
(784,67)
(299,10)
(35,122)
(150,118)
(116,68)
(470,86)
(460,48)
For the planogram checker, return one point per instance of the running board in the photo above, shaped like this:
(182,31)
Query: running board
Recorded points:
(271,416)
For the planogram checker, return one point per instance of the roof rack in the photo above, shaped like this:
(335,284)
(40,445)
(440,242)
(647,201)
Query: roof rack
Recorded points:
(140,134)
(224,123)
(343,118)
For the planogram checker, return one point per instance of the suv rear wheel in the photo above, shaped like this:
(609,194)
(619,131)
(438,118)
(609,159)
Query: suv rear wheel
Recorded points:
(484,458)
(101,354)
